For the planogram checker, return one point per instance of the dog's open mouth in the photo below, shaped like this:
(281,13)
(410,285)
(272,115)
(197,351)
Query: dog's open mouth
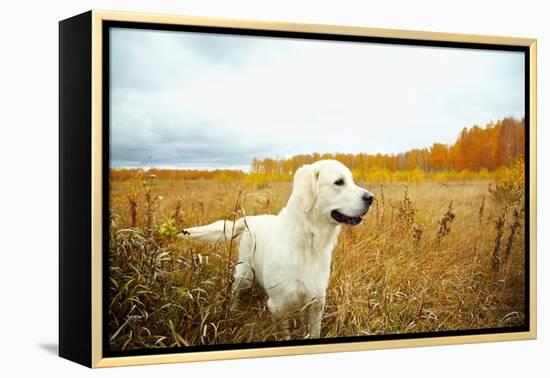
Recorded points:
(342,218)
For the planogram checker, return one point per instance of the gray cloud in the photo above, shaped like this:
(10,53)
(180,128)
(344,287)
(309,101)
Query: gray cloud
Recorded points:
(209,101)
(146,60)
(218,48)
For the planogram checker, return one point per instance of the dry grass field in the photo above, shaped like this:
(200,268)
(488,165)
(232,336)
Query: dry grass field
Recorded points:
(430,256)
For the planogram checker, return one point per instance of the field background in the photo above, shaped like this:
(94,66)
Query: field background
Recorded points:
(430,256)
(442,247)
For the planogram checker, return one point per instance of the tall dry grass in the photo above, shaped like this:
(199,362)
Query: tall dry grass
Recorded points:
(431,256)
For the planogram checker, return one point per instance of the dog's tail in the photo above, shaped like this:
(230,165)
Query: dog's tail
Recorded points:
(216,231)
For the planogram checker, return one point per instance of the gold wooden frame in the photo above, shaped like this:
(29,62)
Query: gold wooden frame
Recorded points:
(97,358)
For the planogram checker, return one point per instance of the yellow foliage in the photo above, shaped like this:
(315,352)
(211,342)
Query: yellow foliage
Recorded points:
(515,174)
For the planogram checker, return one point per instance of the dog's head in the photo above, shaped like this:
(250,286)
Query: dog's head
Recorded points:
(326,188)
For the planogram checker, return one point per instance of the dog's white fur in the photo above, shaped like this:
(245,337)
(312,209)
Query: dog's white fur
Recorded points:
(289,254)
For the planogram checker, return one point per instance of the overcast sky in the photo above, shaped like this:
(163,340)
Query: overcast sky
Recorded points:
(193,100)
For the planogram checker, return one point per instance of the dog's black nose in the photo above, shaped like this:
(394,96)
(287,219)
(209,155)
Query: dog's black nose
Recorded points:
(368,198)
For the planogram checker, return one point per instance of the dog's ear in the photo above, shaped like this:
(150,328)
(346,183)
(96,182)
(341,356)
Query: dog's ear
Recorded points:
(305,186)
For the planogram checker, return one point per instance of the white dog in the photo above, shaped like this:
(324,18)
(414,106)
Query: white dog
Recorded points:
(289,254)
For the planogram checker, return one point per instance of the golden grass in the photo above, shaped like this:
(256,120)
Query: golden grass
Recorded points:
(423,260)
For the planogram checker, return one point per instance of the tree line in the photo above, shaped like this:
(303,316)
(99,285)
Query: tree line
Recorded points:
(476,149)
(495,145)
(124,174)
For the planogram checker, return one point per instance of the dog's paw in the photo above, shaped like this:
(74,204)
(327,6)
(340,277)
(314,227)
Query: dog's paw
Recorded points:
(183,233)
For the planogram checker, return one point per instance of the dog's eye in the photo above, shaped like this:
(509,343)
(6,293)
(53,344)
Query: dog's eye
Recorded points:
(339,182)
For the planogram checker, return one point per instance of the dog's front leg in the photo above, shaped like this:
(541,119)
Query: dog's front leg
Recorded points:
(314,315)
(280,317)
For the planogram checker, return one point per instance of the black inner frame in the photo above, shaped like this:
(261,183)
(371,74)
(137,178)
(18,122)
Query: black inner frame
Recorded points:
(107,25)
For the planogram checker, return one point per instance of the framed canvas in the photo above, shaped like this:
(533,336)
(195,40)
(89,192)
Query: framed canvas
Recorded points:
(235,189)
